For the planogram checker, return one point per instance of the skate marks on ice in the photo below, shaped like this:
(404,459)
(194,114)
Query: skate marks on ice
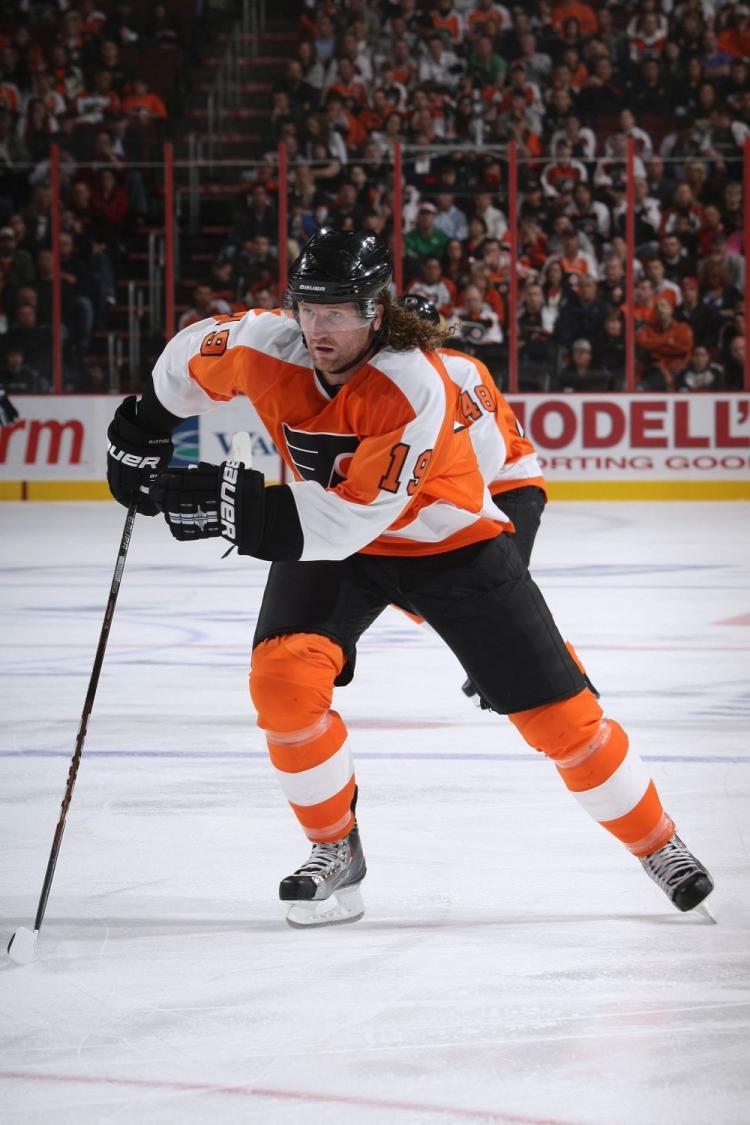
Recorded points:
(512,965)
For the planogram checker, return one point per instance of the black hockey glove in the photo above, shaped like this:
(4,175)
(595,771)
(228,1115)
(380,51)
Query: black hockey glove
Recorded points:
(212,500)
(133,456)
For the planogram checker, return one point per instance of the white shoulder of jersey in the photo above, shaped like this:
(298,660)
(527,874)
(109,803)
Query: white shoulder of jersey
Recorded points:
(461,369)
(267,333)
(276,335)
(415,377)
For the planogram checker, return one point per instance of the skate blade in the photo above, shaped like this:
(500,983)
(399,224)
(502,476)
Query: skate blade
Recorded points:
(703,910)
(345,905)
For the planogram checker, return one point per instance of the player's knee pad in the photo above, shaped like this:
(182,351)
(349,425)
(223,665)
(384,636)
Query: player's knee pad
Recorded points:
(564,729)
(291,680)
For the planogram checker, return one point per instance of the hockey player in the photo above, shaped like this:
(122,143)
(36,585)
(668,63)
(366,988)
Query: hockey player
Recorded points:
(506,458)
(387,506)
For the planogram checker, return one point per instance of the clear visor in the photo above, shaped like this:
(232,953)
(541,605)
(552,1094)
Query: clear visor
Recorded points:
(320,320)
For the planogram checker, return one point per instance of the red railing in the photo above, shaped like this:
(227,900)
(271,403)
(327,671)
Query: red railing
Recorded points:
(746,255)
(513,280)
(169,225)
(57,357)
(398,226)
(512,164)
(283,221)
(630,269)
(512,196)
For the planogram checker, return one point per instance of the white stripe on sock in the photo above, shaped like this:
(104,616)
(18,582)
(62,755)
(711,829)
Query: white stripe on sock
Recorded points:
(310,787)
(619,793)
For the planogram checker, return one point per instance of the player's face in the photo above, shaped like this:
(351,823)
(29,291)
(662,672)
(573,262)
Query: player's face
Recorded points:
(336,335)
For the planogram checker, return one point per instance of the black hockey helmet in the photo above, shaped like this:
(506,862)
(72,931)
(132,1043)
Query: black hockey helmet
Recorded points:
(338,266)
(420,306)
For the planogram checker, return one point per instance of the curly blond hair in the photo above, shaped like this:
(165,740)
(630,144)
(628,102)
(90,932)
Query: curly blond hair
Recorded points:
(402,329)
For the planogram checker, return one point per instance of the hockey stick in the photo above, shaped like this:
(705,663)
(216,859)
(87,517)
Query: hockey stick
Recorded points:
(241,448)
(23,942)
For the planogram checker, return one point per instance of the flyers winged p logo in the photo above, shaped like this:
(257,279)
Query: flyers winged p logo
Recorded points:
(320,457)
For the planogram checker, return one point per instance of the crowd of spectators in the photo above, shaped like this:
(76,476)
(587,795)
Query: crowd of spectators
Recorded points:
(453,81)
(72,74)
(571,83)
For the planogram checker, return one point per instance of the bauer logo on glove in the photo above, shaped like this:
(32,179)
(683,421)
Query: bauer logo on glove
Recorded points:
(207,501)
(133,452)
(228,496)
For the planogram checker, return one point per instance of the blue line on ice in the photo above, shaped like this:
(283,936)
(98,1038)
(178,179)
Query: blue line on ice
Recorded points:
(208,755)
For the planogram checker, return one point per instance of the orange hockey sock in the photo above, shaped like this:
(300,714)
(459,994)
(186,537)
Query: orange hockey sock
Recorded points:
(291,683)
(607,778)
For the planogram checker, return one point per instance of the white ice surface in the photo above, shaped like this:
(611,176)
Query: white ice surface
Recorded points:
(515,965)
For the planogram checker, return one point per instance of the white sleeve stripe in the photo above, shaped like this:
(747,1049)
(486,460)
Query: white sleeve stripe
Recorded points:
(333,527)
(439,521)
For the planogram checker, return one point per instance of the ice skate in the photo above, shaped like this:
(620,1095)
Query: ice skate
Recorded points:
(324,891)
(684,880)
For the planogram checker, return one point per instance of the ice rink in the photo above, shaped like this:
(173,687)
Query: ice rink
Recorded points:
(515,965)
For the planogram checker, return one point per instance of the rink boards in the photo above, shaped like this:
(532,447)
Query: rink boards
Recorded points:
(592,447)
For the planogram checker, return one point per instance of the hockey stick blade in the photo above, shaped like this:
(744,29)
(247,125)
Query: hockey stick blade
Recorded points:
(22,945)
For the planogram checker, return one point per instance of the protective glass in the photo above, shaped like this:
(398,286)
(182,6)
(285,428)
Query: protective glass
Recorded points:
(315,319)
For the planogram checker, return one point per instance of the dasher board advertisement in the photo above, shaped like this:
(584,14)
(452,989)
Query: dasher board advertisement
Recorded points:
(64,437)
(584,442)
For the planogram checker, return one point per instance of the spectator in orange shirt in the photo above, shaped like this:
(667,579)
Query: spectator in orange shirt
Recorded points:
(573,9)
(490,287)
(644,303)
(577,70)
(347,84)
(519,130)
(575,260)
(667,343)
(143,104)
(448,21)
(488,18)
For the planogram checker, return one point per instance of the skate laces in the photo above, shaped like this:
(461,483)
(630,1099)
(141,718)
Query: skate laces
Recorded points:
(671,863)
(324,859)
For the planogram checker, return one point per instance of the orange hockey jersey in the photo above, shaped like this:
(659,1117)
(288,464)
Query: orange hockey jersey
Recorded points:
(384,466)
(506,457)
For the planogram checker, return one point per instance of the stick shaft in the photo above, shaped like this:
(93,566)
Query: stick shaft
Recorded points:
(87,707)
